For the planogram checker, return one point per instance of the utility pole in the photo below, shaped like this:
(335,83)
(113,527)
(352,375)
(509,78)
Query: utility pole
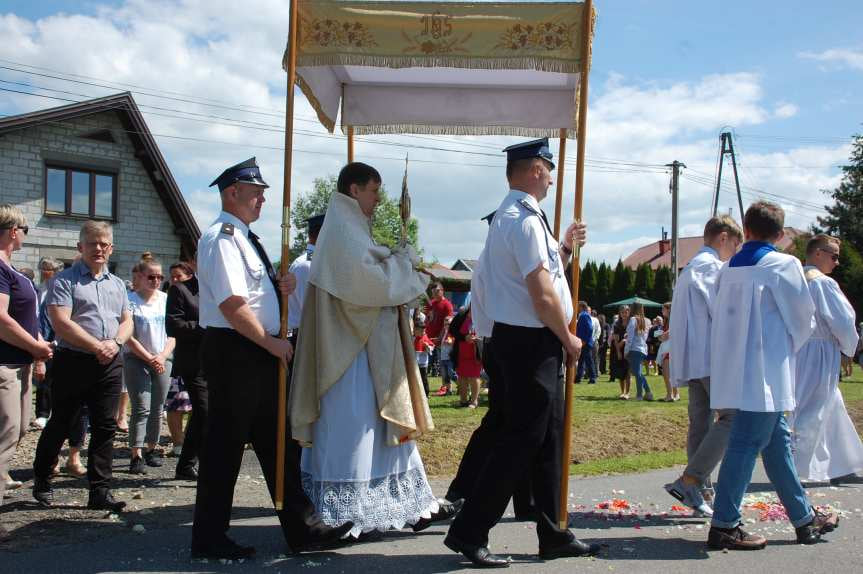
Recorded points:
(726,147)
(675,188)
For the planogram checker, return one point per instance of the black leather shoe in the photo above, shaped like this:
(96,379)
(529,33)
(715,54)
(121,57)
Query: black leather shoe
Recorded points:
(186,473)
(42,492)
(446,511)
(572,549)
(323,537)
(104,500)
(481,556)
(224,549)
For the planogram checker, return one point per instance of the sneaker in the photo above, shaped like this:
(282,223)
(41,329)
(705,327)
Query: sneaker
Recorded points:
(442,391)
(136,466)
(690,495)
(821,524)
(648,397)
(152,458)
(734,539)
(42,492)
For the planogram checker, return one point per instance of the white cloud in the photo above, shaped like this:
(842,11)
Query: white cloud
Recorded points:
(837,57)
(785,110)
(231,52)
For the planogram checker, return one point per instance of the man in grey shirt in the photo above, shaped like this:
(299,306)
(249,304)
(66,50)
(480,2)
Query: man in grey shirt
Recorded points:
(88,309)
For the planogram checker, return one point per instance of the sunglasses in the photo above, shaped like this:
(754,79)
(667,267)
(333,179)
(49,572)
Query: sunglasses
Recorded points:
(24,228)
(833,256)
(155,277)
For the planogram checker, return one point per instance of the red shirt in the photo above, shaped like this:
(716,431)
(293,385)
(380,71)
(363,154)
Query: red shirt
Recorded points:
(422,343)
(436,312)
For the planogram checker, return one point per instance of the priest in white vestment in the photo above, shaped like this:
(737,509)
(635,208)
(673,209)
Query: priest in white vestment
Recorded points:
(351,404)
(826,443)
(762,316)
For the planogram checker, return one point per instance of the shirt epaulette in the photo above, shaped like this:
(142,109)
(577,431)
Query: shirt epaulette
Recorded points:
(227,228)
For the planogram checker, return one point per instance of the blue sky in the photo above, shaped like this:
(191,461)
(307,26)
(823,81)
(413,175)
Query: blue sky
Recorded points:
(666,77)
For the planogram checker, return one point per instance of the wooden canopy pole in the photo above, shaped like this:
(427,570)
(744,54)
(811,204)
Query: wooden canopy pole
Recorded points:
(563,513)
(281,427)
(350,144)
(558,198)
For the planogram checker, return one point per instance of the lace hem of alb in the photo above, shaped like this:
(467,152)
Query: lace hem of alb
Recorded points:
(387,503)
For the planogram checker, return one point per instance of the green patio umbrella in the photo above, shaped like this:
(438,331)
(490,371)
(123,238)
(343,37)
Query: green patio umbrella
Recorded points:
(631,300)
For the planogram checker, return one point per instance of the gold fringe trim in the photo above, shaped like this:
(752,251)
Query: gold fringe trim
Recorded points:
(329,123)
(450,130)
(537,63)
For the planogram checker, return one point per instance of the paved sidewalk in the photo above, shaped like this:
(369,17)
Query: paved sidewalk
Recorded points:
(647,537)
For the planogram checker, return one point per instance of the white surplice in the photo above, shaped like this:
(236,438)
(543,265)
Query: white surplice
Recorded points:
(690,317)
(351,473)
(762,316)
(826,444)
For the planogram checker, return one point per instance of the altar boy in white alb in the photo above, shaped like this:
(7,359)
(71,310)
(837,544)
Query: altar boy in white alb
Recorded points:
(762,316)
(826,444)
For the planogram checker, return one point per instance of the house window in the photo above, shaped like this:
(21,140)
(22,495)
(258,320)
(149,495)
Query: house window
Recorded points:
(80,191)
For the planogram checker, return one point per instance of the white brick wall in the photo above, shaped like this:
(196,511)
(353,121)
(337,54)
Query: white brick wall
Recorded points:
(143,223)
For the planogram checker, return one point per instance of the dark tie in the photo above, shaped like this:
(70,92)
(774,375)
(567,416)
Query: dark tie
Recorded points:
(545,219)
(269,266)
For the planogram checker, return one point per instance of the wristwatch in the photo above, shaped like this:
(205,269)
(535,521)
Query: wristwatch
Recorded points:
(119,344)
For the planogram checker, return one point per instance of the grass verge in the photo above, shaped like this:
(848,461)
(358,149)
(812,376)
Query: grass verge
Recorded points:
(610,436)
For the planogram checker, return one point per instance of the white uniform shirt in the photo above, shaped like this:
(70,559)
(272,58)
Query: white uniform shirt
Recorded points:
(518,242)
(228,265)
(762,316)
(300,268)
(597,329)
(691,318)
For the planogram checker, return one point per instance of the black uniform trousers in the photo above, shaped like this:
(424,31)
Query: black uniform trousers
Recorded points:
(196,427)
(243,400)
(78,379)
(481,441)
(527,444)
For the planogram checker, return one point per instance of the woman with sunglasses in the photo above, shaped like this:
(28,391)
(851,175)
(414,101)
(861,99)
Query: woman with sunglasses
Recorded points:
(20,342)
(147,366)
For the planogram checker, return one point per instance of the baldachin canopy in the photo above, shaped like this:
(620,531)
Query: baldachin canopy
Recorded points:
(454,68)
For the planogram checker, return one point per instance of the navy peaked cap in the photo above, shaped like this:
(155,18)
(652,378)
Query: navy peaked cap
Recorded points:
(315,223)
(244,172)
(526,150)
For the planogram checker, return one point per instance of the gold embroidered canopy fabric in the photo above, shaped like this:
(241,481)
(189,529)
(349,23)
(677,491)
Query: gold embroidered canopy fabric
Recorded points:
(441,67)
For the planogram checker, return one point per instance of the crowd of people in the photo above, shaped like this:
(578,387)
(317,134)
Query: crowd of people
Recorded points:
(751,332)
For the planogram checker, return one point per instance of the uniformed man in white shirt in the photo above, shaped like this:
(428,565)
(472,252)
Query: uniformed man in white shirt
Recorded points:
(526,296)
(239,308)
(300,269)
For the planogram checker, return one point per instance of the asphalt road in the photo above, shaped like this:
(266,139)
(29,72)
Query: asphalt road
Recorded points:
(647,537)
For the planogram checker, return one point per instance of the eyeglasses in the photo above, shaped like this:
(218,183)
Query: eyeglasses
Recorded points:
(24,228)
(155,277)
(833,256)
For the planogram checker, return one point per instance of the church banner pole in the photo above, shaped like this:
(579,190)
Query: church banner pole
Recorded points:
(281,427)
(350,144)
(558,198)
(563,514)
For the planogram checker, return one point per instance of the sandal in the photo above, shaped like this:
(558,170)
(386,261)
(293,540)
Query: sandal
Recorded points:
(77,469)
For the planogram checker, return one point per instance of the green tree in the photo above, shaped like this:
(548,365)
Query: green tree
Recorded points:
(603,286)
(845,216)
(386,225)
(644,281)
(662,289)
(587,283)
(622,283)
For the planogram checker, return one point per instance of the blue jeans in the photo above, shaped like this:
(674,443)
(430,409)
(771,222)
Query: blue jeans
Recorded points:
(635,359)
(585,363)
(447,373)
(768,434)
